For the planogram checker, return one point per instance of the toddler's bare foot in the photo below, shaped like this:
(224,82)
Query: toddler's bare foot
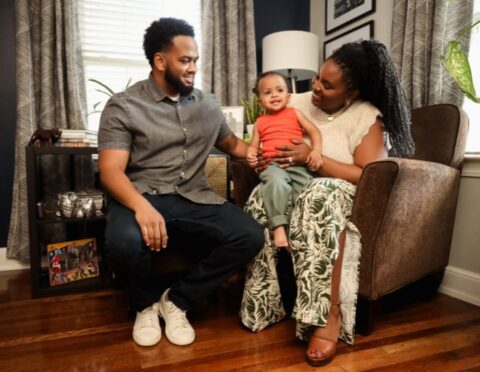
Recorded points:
(280,237)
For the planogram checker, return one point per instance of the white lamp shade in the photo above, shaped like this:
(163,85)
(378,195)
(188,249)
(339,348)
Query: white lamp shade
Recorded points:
(295,50)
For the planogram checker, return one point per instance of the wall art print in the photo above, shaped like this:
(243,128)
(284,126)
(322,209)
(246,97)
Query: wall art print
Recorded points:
(339,13)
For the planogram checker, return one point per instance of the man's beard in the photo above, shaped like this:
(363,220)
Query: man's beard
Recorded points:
(176,83)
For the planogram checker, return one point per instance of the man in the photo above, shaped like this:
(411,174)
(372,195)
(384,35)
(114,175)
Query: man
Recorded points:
(154,140)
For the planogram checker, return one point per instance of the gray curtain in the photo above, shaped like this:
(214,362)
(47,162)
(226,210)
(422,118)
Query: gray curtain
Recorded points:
(50,93)
(421,29)
(228,54)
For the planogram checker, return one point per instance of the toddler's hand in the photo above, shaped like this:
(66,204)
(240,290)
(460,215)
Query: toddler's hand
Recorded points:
(314,160)
(252,160)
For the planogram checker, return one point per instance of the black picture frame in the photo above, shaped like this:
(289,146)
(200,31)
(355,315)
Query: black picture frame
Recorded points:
(340,13)
(364,31)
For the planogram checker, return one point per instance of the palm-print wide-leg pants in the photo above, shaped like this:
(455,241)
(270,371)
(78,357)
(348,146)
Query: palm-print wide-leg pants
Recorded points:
(321,213)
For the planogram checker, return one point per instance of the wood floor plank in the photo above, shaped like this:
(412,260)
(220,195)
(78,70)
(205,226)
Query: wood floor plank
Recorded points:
(409,350)
(92,332)
(453,360)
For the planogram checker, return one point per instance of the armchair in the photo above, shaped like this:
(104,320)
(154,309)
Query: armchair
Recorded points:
(404,208)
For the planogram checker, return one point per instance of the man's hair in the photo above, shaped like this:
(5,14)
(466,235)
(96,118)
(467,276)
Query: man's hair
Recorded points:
(367,67)
(159,35)
(265,74)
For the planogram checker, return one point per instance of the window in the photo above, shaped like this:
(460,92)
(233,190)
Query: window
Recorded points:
(112,42)
(470,107)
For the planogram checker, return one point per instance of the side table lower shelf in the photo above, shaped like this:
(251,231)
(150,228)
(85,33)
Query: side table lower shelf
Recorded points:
(44,288)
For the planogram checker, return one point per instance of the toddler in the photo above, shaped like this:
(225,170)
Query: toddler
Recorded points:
(278,127)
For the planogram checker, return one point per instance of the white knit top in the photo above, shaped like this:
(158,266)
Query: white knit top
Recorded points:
(344,133)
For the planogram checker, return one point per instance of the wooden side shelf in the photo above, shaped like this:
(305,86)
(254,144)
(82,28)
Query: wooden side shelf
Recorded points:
(47,227)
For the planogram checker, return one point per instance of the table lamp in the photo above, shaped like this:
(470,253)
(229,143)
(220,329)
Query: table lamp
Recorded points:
(294,54)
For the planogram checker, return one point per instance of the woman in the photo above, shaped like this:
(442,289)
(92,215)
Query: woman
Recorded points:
(358,104)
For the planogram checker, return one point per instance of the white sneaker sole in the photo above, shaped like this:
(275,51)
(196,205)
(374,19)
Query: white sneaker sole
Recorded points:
(152,342)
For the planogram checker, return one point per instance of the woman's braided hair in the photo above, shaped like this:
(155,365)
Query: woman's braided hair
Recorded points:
(367,67)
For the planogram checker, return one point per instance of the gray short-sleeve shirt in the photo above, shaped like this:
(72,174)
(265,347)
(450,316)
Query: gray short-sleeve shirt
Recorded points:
(169,141)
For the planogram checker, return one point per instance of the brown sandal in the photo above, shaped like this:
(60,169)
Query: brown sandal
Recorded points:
(324,349)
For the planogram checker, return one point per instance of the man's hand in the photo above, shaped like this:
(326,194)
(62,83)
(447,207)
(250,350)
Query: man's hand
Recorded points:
(152,226)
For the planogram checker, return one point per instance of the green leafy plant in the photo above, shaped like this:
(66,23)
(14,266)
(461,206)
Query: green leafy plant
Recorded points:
(455,61)
(252,108)
(105,89)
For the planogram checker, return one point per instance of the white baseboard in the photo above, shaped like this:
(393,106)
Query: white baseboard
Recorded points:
(7,264)
(461,284)
(471,166)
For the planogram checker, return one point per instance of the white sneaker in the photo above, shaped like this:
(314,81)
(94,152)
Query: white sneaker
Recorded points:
(177,328)
(146,330)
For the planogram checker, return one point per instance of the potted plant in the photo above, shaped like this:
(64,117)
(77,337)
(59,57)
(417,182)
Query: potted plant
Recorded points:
(105,89)
(253,110)
(455,61)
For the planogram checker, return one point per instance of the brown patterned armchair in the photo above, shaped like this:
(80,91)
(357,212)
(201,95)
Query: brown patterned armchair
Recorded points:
(404,208)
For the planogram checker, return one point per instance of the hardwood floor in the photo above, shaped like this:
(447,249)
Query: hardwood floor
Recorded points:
(92,332)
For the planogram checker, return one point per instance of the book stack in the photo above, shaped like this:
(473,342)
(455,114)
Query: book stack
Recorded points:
(77,138)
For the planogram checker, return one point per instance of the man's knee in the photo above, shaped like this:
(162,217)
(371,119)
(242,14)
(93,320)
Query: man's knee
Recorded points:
(255,238)
(124,245)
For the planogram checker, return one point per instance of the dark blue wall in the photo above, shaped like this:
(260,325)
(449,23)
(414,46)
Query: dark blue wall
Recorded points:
(280,15)
(7,113)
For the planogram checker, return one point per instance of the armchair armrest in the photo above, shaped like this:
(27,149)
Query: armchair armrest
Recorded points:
(404,209)
(244,180)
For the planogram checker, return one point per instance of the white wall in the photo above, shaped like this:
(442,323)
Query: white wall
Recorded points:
(462,276)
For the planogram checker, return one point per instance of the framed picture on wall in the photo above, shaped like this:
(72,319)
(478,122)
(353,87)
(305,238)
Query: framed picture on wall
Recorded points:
(362,32)
(234,117)
(339,13)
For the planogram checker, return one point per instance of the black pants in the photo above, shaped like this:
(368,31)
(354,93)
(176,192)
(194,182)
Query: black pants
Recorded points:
(223,235)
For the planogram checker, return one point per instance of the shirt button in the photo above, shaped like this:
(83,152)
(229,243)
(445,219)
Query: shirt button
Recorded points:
(176,187)
(185,130)
(154,192)
(182,174)
(185,152)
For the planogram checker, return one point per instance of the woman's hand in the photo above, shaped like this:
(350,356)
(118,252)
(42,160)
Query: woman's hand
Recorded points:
(295,154)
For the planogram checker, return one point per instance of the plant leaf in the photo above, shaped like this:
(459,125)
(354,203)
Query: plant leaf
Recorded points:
(94,112)
(128,83)
(104,92)
(253,109)
(455,61)
(109,91)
